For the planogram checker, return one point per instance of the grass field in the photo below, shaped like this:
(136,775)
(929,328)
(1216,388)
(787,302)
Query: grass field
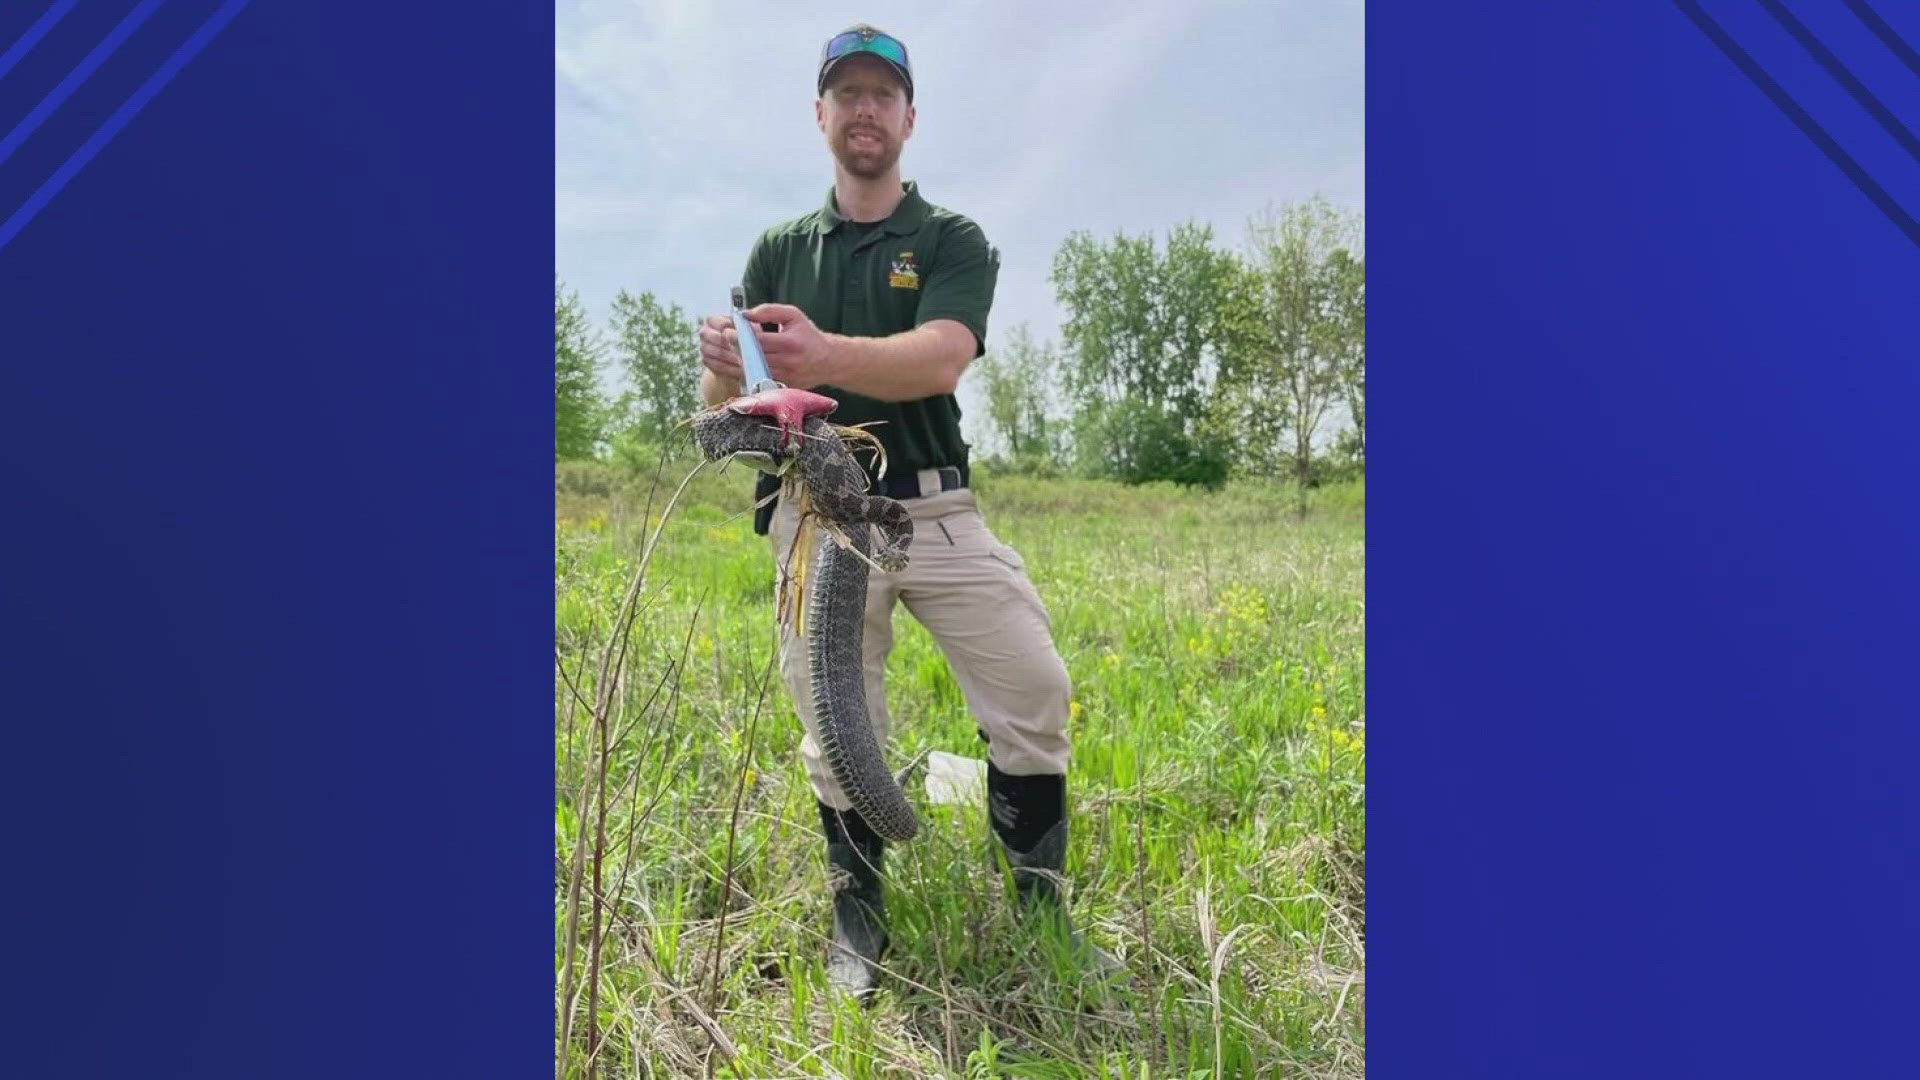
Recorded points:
(1216,644)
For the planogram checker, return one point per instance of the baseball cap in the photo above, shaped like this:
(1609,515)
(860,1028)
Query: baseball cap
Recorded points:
(861,38)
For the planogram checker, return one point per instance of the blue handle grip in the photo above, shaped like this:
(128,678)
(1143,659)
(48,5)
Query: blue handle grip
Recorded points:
(758,376)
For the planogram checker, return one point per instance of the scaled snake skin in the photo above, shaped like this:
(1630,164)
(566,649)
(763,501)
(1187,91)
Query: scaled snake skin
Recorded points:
(836,496)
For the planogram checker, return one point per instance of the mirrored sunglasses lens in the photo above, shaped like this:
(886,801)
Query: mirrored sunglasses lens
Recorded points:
(879,46)
(889,48)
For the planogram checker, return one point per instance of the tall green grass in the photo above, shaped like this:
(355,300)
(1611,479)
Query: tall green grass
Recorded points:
(1216,642)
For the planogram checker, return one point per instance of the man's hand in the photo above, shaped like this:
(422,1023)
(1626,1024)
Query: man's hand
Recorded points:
(907,366)
(720,350)
(798,354)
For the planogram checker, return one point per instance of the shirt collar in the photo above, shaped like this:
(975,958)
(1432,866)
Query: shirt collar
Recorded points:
(906,217)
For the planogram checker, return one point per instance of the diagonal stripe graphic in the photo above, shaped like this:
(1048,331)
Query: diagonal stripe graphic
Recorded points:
(1819,51)
(1812,130)
(74,78)
(121,116)
(1888,37)
(33,35)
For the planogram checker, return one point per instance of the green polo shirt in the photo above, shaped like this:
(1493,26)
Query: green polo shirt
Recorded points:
(923,262)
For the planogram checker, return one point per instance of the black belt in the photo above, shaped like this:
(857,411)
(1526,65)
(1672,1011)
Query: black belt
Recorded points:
(907,485)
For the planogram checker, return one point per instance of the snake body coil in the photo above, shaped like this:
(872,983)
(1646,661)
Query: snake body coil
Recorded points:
(835,493)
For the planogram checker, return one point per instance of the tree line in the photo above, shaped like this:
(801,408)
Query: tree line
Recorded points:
(651,345)
(1193,362)
(1183,360)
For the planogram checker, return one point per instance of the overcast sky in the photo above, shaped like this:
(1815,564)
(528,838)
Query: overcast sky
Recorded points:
(684,128)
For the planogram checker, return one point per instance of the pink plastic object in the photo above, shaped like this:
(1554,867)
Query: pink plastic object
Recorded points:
(788,407)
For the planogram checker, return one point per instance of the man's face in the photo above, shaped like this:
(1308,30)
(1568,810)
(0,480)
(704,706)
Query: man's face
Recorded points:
(865,116)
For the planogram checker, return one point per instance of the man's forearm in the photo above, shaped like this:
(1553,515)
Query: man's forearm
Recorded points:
(918,363)
(715,390)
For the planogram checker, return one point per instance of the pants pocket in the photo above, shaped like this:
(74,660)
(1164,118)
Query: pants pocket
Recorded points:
(1006,556)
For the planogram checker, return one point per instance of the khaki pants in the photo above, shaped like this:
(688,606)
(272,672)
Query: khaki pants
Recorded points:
(972,594)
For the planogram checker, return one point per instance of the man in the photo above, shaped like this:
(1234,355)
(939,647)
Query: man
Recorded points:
(879,300)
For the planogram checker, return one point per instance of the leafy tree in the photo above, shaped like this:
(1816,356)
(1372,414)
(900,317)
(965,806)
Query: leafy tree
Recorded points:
(1018,380)
(1347,340)
(1142,338)
(1140,441)
(1290,332)
(579,408)
(653,346)
(1349,455)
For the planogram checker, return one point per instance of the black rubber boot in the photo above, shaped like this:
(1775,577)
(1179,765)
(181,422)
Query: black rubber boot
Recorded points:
(1029,815)
(854,857)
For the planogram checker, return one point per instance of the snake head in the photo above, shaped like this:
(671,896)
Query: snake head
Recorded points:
(788,407)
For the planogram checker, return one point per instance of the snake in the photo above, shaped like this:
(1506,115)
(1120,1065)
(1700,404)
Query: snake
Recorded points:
(823,596)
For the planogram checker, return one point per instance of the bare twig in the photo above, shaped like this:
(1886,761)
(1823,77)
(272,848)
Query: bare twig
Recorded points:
(612,658)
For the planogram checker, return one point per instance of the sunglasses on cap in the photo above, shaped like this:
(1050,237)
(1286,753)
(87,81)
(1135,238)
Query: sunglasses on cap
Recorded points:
(865,39)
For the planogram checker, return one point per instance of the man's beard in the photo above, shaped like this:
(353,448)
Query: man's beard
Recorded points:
(866,164)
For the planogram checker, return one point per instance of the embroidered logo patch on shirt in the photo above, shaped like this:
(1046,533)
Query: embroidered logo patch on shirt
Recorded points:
(906,274)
